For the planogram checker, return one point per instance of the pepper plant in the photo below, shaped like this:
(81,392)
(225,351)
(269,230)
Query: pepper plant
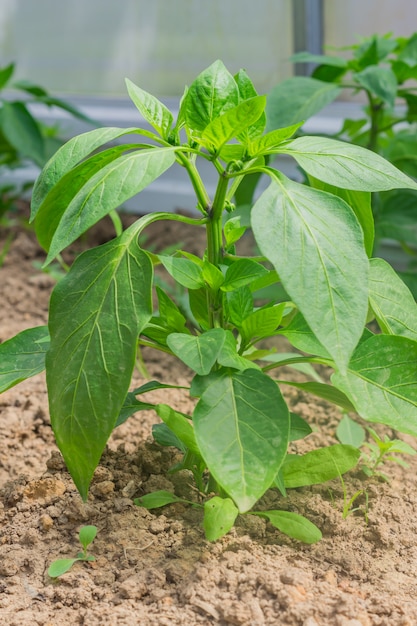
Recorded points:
(313,243)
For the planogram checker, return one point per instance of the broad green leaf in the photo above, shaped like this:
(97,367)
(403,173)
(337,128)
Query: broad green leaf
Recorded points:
(320,465)
(164,436)
(212,93)
(242,272)
(6,73)
(97,312)
(152,109)
(360,202)
(180,425)
(198,352)
(327,392)
(266,143)
(233,122)
(381,381)
(240,305)
(263,322)
(391,301)
(229,356)
(185,272)
(299,428)
(55,204)
(380,81)
(246,91)
(315,243)
(350,432)
(69,155)
(293,525)
(300,335)
(108,189)
(346,165)
(219,516)
(322,59)
(157,499)
(22,131)
(408,53)
(297,99)
(61,566)
(169,312)
(212,275)
(23,356)
(87,535)
(198,305)
(242,425)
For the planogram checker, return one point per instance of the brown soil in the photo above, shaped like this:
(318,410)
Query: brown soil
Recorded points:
(157,568)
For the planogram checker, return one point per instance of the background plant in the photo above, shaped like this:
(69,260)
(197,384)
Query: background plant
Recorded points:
(314,243)
(384,69)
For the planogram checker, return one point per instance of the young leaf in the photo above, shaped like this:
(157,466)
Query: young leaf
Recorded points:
(154,111)
(23,356)
(233,122)
(22,131)
(97,311)
(320,465)
(199,353)
(67,157)
(185,272)
(240,305)
(381,381)
(297,99)
(379,81)
(241,425)
(165,437)
(61,566)
(293,525)
(87,535)
(391,301)
(180,425)
(169,312)
(229,356)
(103,192)
(289,218)
(219,516)
(263,322)
(346,165)
(266,143)
(242,272)
(299,428)
(130,407)
(246,91)
(300,335)
(6,73)
(157,499)
(212,93)
(350,432)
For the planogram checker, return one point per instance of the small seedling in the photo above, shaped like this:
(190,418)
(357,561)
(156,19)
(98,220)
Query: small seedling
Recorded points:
(381,451)
(86,536)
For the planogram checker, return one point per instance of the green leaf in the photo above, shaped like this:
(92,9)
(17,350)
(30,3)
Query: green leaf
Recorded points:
(185,272)
(397,218)
(180,425)
(242,272)
(199,353)
(391,301)
(242,425)
(198,305)
(240,305)
(157,499)
(297,99)
(408,53)
(165,437)
(67,157)
(22,131)
(219,516)
(233,230)
(299,230)
(229,356)
(350,432)
(130,407)
(246,91)
(299,428)
(360,202)
(293,525)
(300,335)
(263,322)
(379,81)
(212,93)
(212,275)
(322,59)
(61,566)
(153,111)
(327,392)
(266,143)
(400,150)
(169,312)
(97,312)
(23,356)
(381,381)
(6,73)
(233,122)
(106,190)
(346,165)
(87,535)
(320,465)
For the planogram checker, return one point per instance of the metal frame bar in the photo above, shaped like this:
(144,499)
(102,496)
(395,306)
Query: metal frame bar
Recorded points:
(308,31)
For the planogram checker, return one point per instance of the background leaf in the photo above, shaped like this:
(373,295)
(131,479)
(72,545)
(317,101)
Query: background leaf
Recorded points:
(22,131)
(293,525)
(219,516)
(320,465)
(152,109)
(23,356)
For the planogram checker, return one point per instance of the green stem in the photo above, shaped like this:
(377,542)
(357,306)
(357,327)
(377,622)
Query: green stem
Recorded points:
(215,250)
(376,109)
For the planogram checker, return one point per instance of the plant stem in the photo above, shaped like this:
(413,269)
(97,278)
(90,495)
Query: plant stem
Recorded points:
(215,249)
